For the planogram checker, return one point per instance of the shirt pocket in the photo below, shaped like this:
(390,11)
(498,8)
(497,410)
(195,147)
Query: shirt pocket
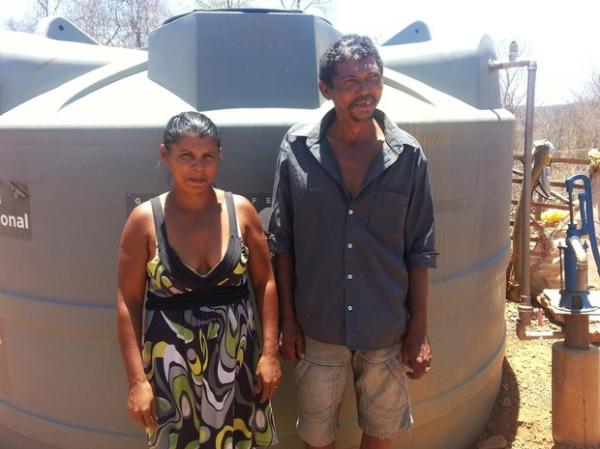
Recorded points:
(388,216)
(320,206)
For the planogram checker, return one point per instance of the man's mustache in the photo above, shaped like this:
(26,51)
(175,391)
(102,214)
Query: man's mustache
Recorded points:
(363,98)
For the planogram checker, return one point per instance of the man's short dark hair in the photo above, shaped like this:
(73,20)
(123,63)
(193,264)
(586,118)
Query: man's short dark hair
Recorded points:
(348,47)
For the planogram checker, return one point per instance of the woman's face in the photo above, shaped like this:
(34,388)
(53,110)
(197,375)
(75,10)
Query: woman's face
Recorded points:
(193,162)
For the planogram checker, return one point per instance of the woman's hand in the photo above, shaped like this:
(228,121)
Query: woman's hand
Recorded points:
(142,405)
(268,375)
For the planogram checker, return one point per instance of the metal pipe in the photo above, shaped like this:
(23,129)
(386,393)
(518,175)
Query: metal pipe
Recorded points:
(531,74)
(577,326)
(559,197)
(525,281)
(544,335)
(524,321)
(581,265)
(503,65)
(577,332)
(580,255)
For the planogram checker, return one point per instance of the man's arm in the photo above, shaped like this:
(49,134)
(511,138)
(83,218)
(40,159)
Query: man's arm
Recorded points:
(292,337)
(282,245)
(420,255)
(416,353)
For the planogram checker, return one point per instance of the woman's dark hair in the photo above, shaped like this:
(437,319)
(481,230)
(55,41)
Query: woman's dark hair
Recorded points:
(190,123)
(348,47)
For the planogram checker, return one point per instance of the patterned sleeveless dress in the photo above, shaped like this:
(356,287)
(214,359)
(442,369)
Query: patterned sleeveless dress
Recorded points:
(199,340)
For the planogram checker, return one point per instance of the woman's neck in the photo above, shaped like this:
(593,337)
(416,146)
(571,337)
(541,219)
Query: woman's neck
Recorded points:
(186,202)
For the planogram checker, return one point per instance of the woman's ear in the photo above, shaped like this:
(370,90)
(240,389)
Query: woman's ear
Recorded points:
(164,153)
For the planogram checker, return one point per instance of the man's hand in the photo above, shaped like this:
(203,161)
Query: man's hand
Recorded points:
(416,354)
(292,340)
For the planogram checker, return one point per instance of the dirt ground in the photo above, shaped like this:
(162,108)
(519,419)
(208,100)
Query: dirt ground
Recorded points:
(522,413)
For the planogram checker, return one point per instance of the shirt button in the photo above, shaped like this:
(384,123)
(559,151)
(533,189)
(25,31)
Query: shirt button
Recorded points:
(349,276)
(350,245)
(349,308)
(350,211)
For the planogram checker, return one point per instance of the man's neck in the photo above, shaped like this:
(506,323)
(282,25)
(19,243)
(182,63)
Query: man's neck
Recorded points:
(351,132)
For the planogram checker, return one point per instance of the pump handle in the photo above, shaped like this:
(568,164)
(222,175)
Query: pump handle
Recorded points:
(587,214)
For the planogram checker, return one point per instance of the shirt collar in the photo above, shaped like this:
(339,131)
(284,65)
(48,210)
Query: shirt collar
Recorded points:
(316,143)
(394,136)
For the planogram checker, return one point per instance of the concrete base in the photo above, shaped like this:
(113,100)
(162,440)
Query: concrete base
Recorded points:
(576,395)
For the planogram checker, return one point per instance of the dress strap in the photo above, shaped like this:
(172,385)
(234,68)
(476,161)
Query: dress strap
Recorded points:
(159,219)
(233,226)
(159,229)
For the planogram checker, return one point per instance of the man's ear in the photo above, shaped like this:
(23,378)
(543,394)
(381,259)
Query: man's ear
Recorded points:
(325,89)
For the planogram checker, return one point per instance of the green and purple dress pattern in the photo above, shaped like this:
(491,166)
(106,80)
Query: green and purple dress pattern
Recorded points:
(199,356)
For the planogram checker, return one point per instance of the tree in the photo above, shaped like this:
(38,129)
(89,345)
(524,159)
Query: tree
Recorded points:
(222,4)
(573,127)
(39,9)
(588,120)
(47,7)
(124,23)
(25,25)
(302,5)
(591,90)
(513,89)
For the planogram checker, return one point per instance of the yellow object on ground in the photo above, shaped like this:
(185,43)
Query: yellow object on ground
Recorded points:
(552,216)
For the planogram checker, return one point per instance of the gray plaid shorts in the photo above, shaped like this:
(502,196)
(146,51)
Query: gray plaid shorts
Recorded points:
(380,384)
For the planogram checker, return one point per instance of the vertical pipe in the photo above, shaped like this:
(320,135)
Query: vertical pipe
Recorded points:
(525,282)
(577,325)
(525,295)
(577,333)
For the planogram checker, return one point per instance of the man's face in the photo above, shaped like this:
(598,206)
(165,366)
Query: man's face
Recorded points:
(356,89)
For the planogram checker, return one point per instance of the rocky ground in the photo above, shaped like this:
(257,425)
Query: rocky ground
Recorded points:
(522,418)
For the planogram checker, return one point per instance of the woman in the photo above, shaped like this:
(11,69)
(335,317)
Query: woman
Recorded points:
(189,350)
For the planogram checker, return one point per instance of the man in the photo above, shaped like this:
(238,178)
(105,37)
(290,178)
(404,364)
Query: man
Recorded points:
(352,233)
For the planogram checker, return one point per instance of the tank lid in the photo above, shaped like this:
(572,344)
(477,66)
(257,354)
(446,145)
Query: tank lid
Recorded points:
(241,59)
(244,10)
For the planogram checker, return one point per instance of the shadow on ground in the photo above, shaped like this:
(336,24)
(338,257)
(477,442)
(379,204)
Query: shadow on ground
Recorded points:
(504,418)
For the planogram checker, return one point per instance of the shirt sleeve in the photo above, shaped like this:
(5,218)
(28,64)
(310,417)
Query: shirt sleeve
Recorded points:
(282,214)
(419,232)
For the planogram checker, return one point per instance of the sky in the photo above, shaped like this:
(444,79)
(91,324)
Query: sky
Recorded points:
(562,36)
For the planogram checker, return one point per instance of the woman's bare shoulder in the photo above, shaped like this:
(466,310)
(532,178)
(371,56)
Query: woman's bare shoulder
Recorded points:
(241,201)
(140,222)
(244,207)
(141,215)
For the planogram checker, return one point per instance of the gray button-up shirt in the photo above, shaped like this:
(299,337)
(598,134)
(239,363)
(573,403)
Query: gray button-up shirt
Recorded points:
(352,255)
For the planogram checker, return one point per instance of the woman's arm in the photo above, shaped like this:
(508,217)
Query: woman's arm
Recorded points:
(133,256)
(259,266)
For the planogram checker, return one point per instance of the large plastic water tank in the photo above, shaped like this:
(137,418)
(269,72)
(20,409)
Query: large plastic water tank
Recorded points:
(77,157)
